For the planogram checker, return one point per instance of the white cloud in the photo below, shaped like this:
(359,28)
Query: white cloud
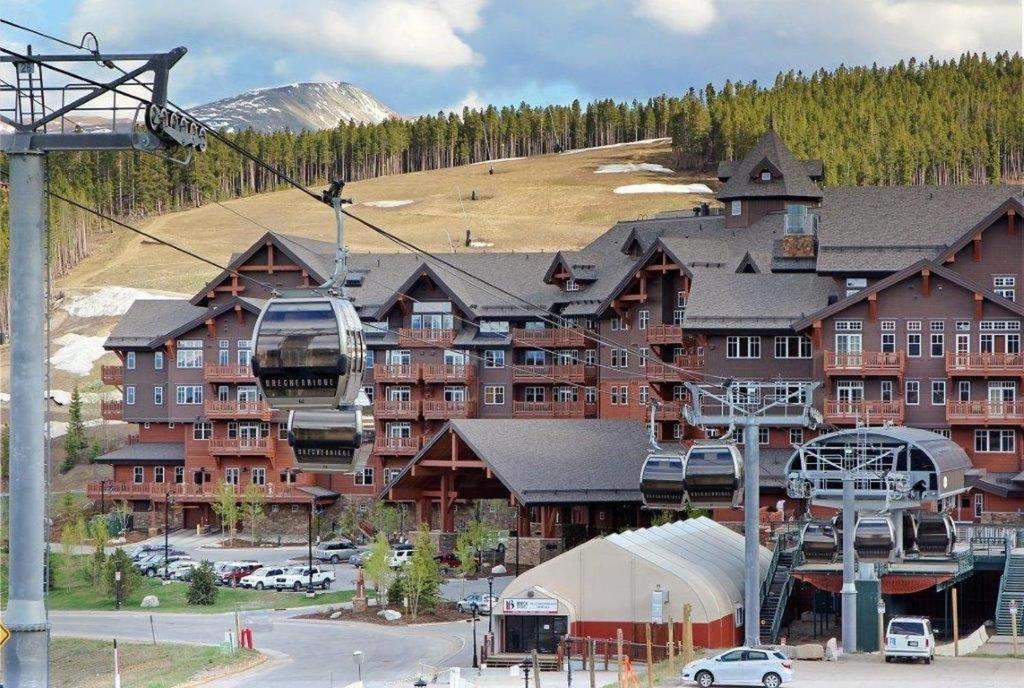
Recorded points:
(420,33)
(945,27)
(472,100)
(678,16)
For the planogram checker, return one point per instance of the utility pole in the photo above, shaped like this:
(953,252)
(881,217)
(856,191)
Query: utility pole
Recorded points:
(35,132)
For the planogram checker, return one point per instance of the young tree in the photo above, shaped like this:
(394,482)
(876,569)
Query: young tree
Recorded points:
(75,440)
(465,551)
(348,523)
(202,590)
(471,543)
(131,579)
(422,575)
(225,505)
(253,500)
(72,536)
(378,566)
(121,516)
(383,518)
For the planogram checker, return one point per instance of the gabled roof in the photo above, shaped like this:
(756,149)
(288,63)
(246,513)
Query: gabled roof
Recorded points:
(721,299)
(146,453)
(790,177)
(1013,203)
(896,278)
(149,320)
(422,271)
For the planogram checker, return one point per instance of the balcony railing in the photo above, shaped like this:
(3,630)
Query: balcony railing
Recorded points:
(243,446)
(399,446)
(800,224)
(549,337)
(570,372)
(215,408)
(985,364)
(112,410)
(383,408)
(181,492)
(409,337)
(866,411)
(865,363)
(448,409)
(669,410)
(438,372)
(548,409)
(396,372)
(985,412)
(665,334)
(228,373)
(112,375)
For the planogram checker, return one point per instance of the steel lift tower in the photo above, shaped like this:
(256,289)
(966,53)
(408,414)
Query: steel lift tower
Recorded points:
(40,117)
(747,406)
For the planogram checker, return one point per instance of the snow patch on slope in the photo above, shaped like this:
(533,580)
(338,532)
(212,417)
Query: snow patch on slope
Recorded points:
(107,301)
(621,167)
(663,188)
(387,204)
(641,142)
(78,353)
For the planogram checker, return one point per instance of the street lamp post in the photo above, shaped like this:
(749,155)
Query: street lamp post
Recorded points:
(309,551)
(103,496)
(167,531)
(357,656)
(525,666)
(476,659)
(880,607)
(490,603)
(1013,624)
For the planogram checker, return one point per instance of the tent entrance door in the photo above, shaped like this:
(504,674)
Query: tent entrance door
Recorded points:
(540,633)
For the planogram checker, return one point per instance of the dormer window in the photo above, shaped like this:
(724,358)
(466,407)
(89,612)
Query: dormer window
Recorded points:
(572,285)
(766,176)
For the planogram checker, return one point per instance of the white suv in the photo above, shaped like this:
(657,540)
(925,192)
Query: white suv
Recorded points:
(910,636)
(741,666)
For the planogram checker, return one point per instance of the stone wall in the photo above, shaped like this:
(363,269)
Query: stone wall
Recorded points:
(532,551)
(799,246)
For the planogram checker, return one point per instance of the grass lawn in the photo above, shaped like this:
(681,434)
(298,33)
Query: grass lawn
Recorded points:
(90,663)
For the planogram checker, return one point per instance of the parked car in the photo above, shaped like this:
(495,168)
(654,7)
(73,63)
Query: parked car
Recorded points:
(910,637)
(334,551)
(154,566)
(448,560)
(182,569)
(480,602)
(741,666)
(399,557)
(297,578)
(261,578)
(235,572)
(359,558)
(140,551)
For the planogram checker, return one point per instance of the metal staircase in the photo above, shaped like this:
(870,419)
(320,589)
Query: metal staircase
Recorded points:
(775,591)
(1011,587)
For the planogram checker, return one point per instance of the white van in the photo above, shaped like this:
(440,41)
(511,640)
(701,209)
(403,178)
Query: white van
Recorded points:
(399,557)
(910,636)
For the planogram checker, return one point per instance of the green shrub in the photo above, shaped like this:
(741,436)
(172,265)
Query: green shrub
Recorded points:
(131,579)
(202,590)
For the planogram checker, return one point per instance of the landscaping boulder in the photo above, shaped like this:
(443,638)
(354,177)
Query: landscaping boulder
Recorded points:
(499,570)
(810,651)
(150,601)
(831,650)
(336,615)
(788,650)
(389,614)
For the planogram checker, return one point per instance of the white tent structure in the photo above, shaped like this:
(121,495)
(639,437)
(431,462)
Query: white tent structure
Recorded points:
(608,583)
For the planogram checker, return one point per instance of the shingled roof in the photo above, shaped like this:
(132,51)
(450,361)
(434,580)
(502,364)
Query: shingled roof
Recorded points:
(149,319)
(790,178)
(723,300)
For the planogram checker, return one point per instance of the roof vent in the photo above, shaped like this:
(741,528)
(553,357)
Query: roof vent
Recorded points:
(833,298)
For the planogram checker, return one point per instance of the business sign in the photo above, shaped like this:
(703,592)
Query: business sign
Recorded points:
(529,606)
(657,607)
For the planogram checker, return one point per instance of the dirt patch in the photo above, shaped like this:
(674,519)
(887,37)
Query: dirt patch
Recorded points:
(441,615)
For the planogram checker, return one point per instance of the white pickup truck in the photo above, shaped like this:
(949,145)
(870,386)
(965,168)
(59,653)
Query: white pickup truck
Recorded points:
(297,577)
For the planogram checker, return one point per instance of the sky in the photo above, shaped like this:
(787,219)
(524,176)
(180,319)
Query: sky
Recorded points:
(421,56)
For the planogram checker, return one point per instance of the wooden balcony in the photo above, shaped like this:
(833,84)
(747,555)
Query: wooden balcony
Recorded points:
(572,372)
(228,373)
(985,365)
(433,410)
(394,372)
(112,375)
(397,446)
(549,409)
(112,410)
(665,334)
(185,492)
(409,337)
(231,409)
(867,412)
(383,408)
(669,410)
(678,371)
(549,337)
(243,446)
(985,412)
(444,373)
(865,363)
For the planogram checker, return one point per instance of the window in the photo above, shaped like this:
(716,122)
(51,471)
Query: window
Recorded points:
(232,430)
(643,319)
(282,431)
(454,393)
(566,357)
(590,395)
(620,358)
(138,474)
(743,347)
(399,430)
(189,394)
(963,325)
(763,436)
(399,357)
(644,395)
(202,430)
(993,441)
(855,284)
(887,326)
(678,392)
(494,395)
(792,347)
(938,392)
(677,316)
(179,475)
(566,394)
(643,353)
(937,326)
(572,285)
(914,344)
(590,357)
(943,432)
(364,476)
(493,327)
(888,343)
(849,326)
(244,354)
(913,326)
(963,392)
(681,299)
(158,396)
(129,360)
(736,208)
(534,395)
(223,357)
(979,504)
(129,394)
(190,353)
(1004,285)
(885,390)
(439,316)
(158,360)
(938,345)
(619,323)
(368,391)
(913,392)
(535,357)
(494,358)
(619,395)
(259,476)
(231,475)
(370,359)
(796,435)
(158,474)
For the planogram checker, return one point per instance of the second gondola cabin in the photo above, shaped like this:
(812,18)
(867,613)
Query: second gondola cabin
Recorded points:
(713,476)
(308,352)
(661,481)
(326,441)
(874,539)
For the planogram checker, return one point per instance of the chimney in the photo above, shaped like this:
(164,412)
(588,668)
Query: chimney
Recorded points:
(705,209)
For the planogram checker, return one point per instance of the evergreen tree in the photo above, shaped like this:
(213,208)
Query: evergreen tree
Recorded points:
(75,440)
(131,579)
(202,588)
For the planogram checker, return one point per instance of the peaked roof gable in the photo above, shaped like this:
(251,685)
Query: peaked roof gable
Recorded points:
(1010,204)
(423,270)
(790,178)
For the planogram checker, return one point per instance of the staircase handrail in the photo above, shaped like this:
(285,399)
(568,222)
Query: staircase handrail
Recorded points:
(780,609)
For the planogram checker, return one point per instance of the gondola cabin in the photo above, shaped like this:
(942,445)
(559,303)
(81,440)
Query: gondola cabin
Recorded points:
(713,476)
(935,534)
(326,440)
(308,352)
(819,542)
(661,482)
(874,539)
